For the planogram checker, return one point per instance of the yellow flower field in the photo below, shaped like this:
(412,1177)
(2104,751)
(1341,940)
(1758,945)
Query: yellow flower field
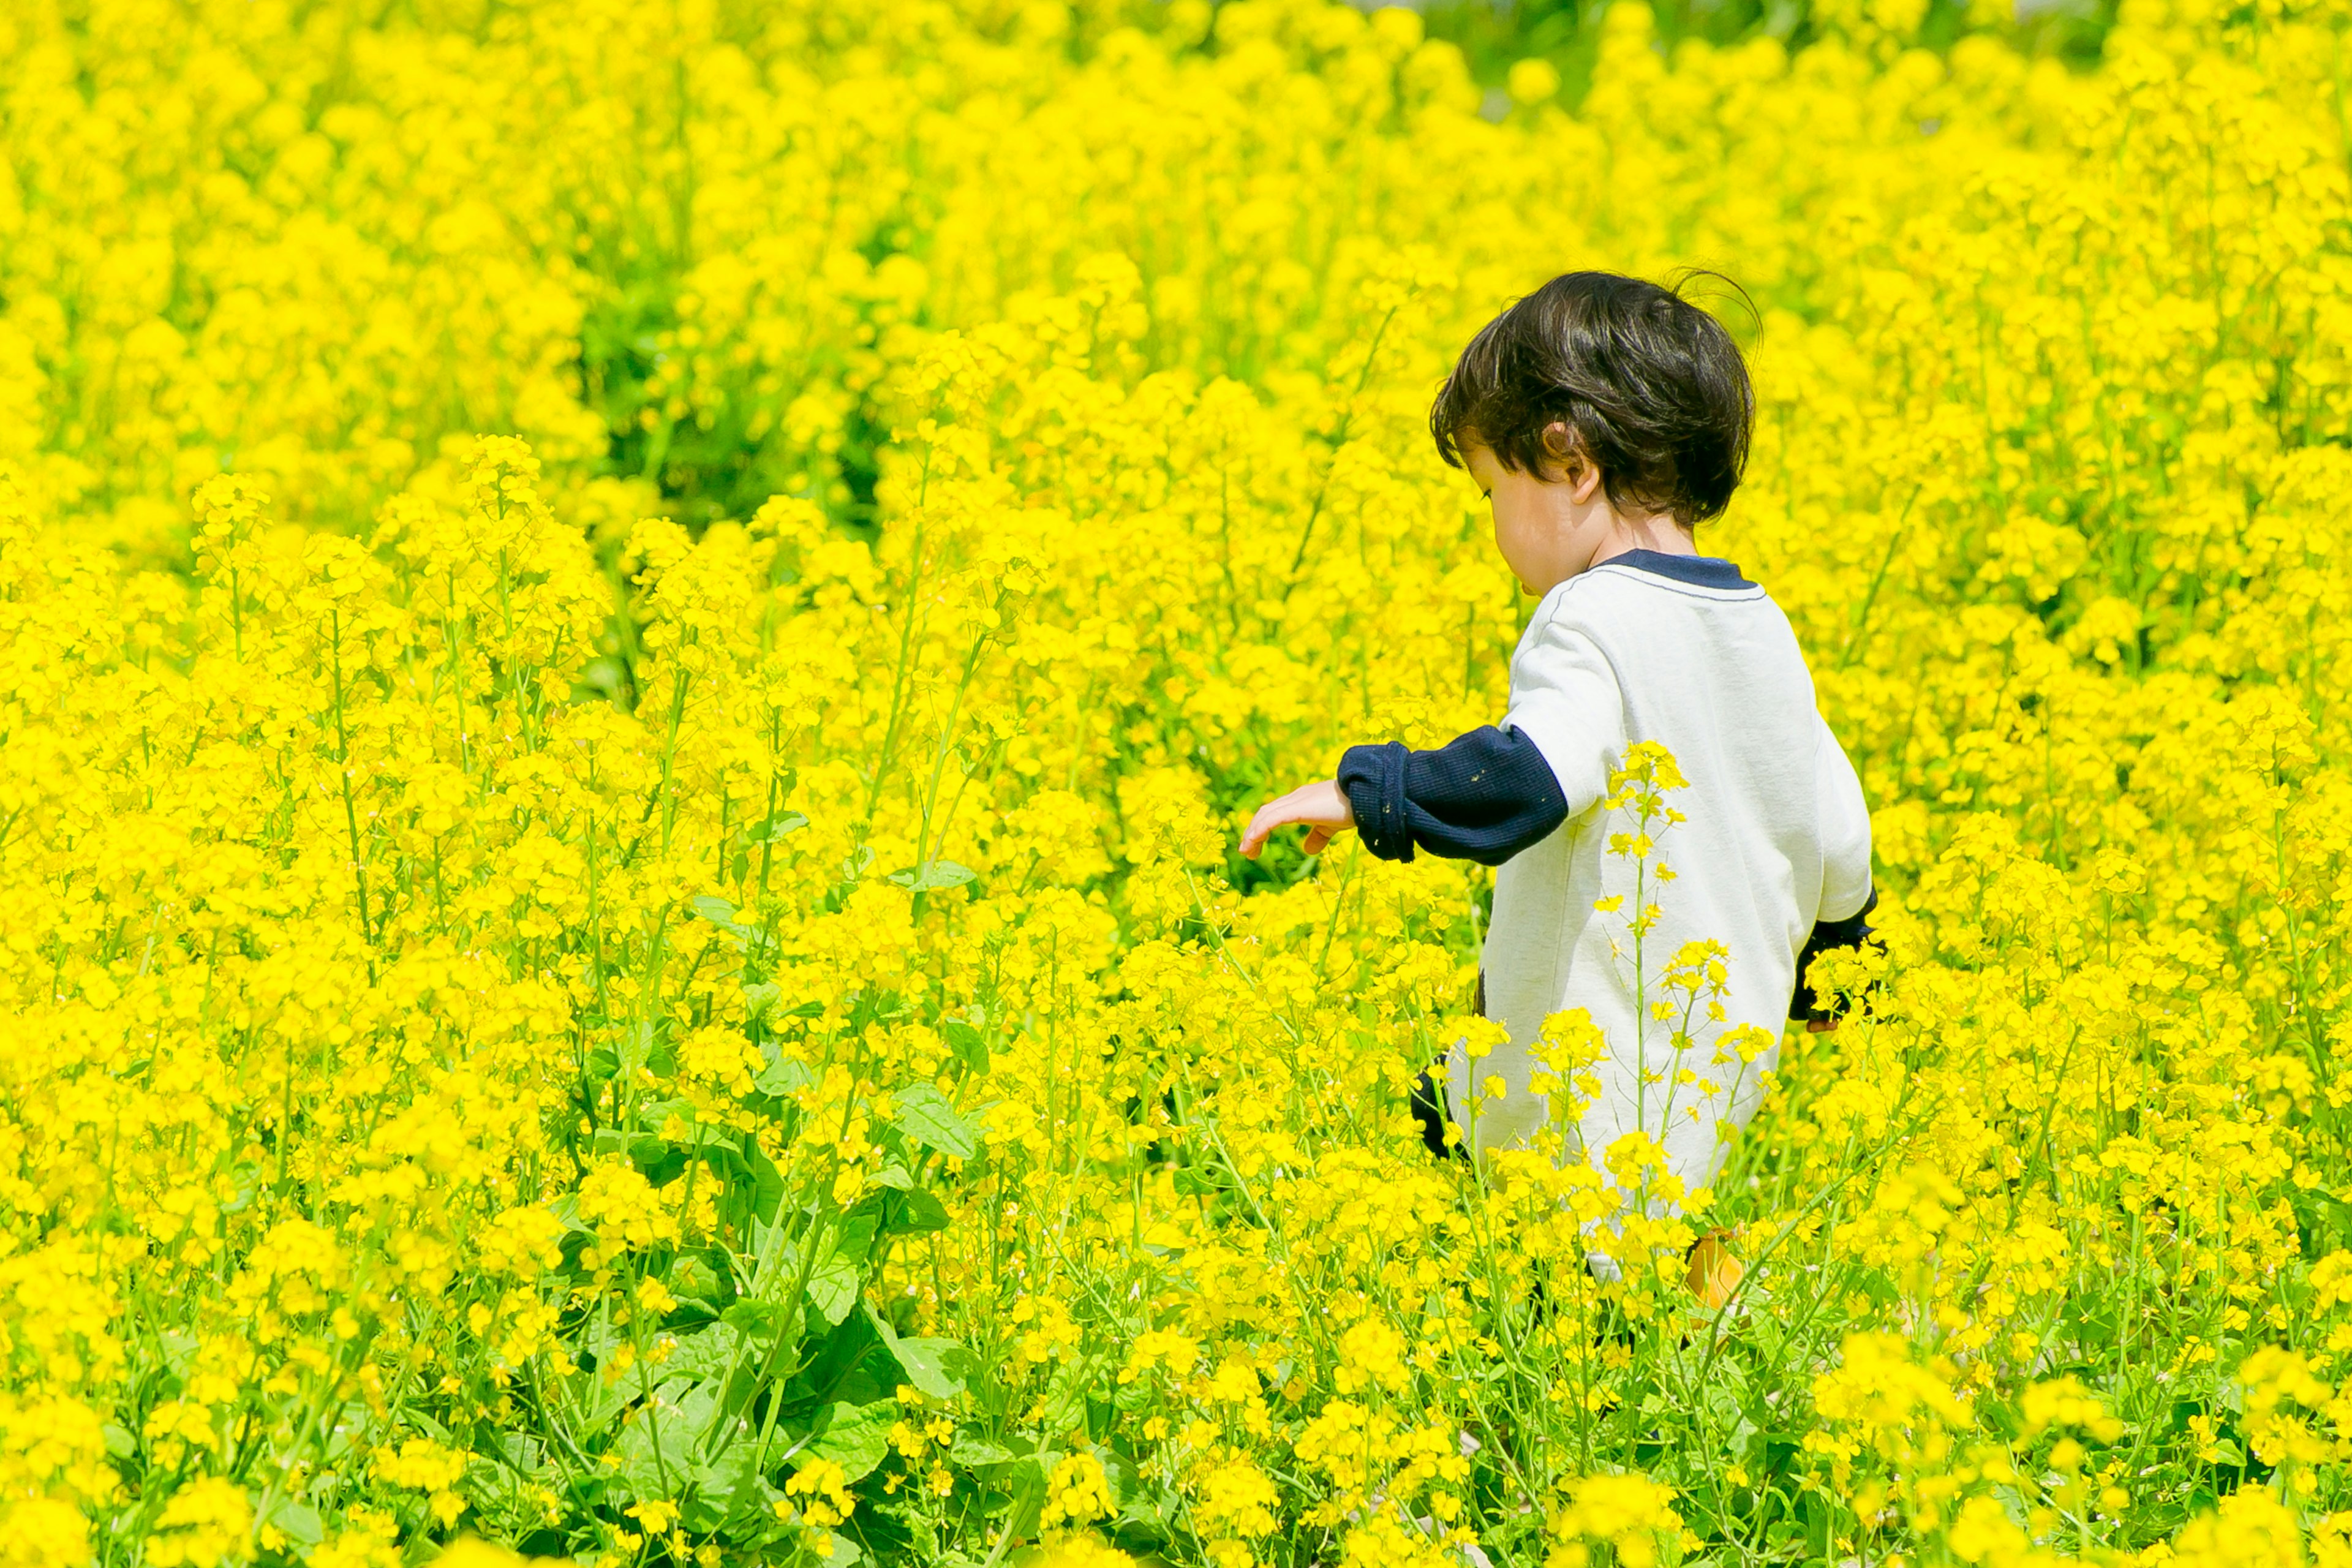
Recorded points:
(637,632)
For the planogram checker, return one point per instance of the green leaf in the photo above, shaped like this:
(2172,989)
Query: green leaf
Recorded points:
(832,1286)
(932,875)
(839,1279)
(721,913)
(912,1214)
(927,1362)
(783,1076)
(759,1320)
(969,1044)
(766,1001)
(708,1356)
(776,827)
(767,1181)
(692,1277)
(652,1115)
(632,1047)
(855,1436)
(925,1115)
(298,1521)
(658,1448)
(737,1490)
(974,1452)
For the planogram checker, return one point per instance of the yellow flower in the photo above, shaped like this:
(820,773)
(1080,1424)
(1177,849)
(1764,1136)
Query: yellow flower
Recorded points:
(1076,1491)
(1626,1513)
(203,1525)
(667,924)
(821,1489)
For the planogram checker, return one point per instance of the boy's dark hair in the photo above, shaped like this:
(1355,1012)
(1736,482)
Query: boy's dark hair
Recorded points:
(1651,387)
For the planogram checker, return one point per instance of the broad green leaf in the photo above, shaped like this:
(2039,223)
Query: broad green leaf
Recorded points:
(735,1488)
(692,1276)
(838,1281)
(708,1355)
(912,1214)
(783,1076)
(776,827)
(765,1003)
(925,1115)
(758,1320)
(832,1286)
(968,1043)
(721,913)
(855,1436)
(632,1047)
(933,875)
(976,1451)
(767,1182)
(928,1362)
(657,1448)
(298,1521)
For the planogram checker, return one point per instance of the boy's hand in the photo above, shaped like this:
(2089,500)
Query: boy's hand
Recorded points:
(1321,807)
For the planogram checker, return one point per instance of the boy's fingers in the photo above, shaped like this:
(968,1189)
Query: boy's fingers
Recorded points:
(1262,825)
(1286,810)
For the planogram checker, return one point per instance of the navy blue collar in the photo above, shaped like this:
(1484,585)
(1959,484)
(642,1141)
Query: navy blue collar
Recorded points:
(1699,571)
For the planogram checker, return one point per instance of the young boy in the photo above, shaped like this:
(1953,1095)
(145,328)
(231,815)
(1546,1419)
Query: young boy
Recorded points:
(1605,418)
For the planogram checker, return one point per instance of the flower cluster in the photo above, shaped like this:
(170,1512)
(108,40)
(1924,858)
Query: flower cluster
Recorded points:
(672,985)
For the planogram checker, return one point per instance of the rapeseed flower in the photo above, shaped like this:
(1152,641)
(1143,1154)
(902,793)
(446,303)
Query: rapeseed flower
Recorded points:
(670,985)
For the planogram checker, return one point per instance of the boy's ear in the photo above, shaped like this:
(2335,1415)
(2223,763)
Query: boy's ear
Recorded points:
(1559,443)
(1567,454)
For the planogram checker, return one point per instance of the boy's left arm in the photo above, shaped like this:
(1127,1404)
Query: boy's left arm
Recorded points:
(1483,796)
(1487,795)
(1847,896)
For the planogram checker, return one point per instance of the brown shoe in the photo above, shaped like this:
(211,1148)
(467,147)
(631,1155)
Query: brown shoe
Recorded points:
(1714,1273)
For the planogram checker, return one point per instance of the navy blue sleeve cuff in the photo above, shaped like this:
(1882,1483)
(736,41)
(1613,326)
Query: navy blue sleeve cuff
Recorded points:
(1372,778)
(1849,933)
(1483,796)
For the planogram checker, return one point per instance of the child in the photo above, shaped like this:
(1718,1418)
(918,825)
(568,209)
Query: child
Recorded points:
(1605,418)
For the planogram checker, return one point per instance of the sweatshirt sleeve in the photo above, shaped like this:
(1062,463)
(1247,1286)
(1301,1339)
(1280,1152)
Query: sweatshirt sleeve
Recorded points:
(1844,829)
(1828,936)
(1483,796)
(1842,919)
(1565,699)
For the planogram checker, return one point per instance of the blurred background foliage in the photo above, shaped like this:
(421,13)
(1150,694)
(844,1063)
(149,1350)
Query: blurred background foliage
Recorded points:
(1517,51)
(1495,35)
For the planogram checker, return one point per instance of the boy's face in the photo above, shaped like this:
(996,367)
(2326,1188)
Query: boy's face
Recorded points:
(1546,529)
(1550,527)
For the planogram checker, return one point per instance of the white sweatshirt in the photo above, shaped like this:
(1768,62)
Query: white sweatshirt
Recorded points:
(1778,836)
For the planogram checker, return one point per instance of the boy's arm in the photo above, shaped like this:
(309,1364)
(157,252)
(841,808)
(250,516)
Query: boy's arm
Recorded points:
(1320,807)
(1828,936)
(1483,796)
(1842,917)
(1488,794)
